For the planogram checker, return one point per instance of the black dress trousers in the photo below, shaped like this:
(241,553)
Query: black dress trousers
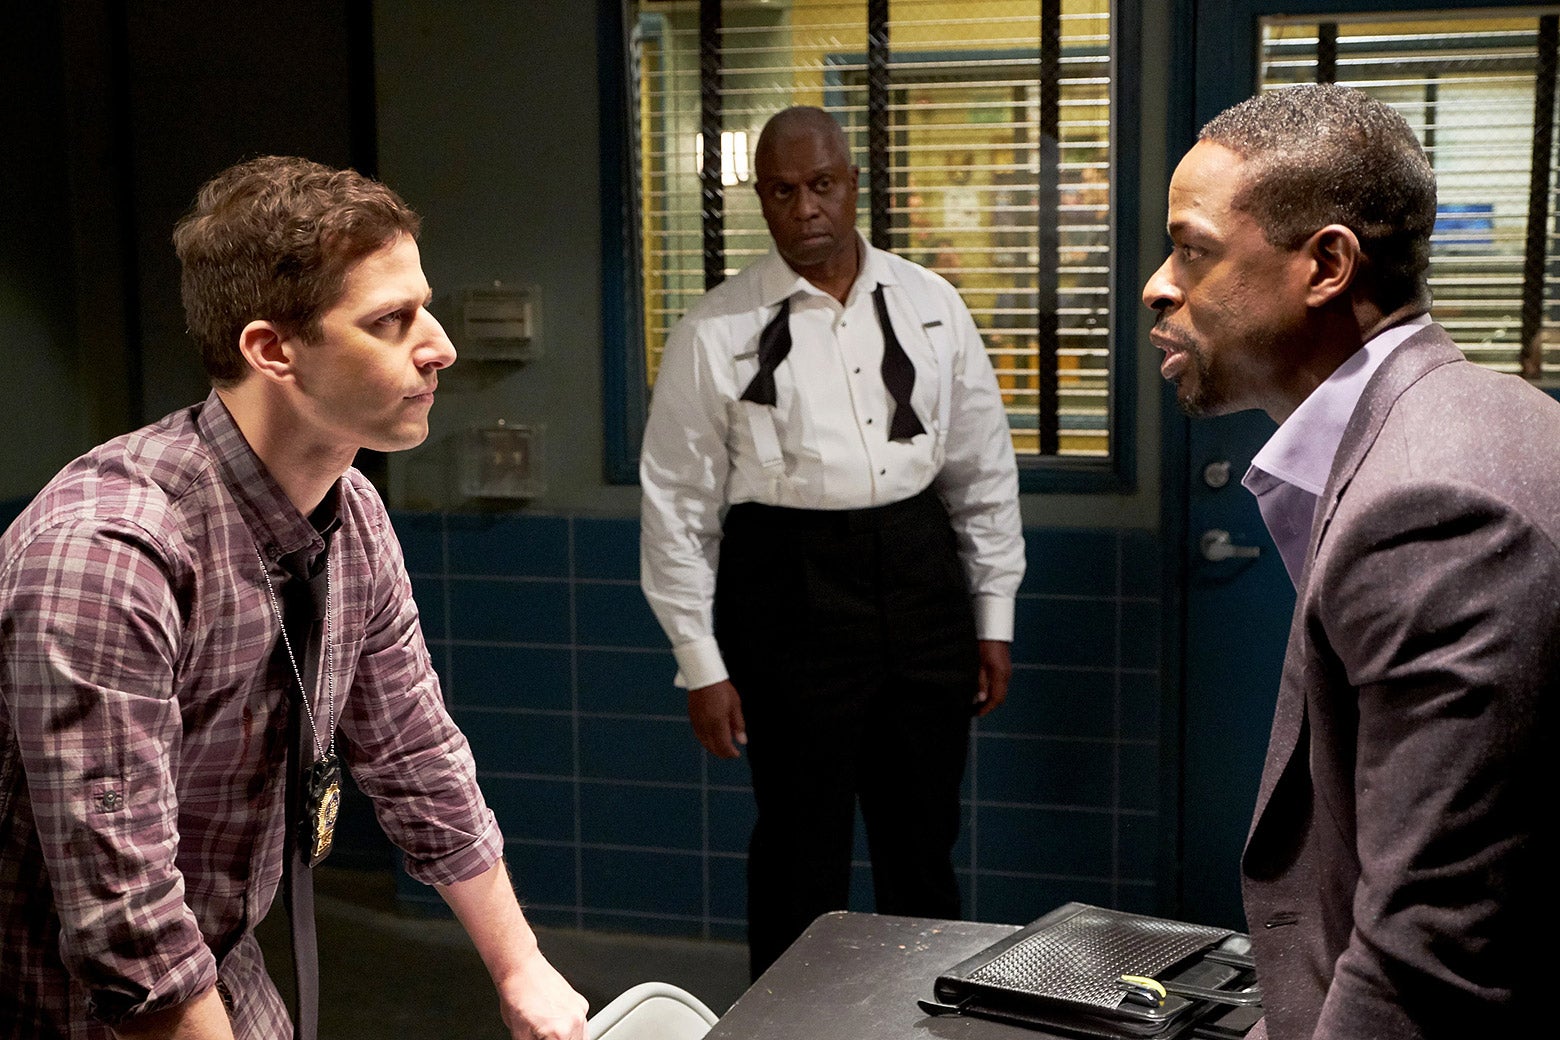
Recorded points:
(850,637)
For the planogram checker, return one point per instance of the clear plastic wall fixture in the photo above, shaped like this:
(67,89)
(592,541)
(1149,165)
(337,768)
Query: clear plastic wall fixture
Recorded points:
(502,461)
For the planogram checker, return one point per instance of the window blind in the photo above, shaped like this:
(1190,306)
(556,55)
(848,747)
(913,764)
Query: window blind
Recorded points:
(992,164)
(1479,90)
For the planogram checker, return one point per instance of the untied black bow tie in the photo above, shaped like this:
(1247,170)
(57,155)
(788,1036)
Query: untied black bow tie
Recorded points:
(774,343)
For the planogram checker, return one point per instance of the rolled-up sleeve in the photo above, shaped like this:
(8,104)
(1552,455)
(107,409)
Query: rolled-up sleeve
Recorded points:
(88,652)
(403,748)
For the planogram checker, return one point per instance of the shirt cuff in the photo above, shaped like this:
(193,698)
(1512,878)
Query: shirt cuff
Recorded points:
(464,863)
(699,663)
(994,618)
(186,980)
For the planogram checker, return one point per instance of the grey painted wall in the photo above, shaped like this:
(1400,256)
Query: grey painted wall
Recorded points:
(488,127)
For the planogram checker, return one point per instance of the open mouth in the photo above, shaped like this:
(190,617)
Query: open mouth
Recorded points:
(1177,357)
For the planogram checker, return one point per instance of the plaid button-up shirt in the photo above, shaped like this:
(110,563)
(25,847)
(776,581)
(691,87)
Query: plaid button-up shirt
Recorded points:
(143,724)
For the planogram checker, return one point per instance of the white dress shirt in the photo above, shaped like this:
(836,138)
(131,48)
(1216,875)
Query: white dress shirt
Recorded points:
(1290,473)
(824,445)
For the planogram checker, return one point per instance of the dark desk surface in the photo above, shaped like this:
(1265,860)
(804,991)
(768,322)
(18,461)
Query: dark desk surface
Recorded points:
(858,976)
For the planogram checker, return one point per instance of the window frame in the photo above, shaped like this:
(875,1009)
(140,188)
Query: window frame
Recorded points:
(625,393)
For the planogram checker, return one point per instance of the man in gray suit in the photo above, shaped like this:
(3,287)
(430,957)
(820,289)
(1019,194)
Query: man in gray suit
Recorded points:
(1393,876)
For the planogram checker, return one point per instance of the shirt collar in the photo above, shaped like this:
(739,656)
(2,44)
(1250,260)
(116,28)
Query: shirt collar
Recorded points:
(778,281)
(1301,451)
(278,528)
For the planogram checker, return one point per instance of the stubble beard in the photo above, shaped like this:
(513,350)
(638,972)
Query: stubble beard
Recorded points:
(1197,391)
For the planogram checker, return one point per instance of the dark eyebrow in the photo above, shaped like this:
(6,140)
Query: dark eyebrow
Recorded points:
(392,306)
(1187,228)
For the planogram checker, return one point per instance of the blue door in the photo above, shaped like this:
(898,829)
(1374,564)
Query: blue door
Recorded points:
(1237,598)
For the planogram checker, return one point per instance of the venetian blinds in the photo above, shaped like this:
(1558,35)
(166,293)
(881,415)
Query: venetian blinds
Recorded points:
(1479,90)
(985,137)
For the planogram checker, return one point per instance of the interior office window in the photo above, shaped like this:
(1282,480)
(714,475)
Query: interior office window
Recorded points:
(1479,89)
(986,135)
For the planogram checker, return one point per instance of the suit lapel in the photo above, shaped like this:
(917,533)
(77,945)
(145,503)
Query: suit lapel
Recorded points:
(1421,353)
(1424,351)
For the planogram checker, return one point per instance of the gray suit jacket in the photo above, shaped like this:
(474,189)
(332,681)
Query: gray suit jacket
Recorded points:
(1392,877)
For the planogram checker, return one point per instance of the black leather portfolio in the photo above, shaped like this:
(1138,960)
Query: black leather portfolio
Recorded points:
(1103,974)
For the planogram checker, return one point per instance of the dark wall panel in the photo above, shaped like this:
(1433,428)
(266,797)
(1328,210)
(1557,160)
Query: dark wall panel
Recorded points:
(209,85)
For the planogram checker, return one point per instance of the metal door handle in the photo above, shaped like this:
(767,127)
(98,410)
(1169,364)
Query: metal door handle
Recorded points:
(1217,546)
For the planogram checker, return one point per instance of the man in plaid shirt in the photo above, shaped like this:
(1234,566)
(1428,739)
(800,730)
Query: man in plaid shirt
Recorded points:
(144,690)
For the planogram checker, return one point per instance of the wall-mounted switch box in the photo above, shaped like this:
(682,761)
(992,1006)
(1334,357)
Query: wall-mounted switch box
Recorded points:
(498,323)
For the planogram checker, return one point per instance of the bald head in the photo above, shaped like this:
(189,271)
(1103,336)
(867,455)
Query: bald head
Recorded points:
(801,124)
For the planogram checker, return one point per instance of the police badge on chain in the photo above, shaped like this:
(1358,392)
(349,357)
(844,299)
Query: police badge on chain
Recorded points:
(321,805)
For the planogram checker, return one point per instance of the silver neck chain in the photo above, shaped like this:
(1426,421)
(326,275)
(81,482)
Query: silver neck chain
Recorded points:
(330,673)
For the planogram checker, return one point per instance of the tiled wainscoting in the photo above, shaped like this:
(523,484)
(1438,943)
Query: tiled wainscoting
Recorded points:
(615,818)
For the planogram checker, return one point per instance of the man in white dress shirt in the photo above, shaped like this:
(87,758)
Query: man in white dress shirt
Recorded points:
(831,540)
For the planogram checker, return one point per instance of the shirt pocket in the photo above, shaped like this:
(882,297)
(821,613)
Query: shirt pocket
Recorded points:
(343,664)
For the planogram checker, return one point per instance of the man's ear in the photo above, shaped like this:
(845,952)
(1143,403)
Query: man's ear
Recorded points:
(267,350)
(1336,263)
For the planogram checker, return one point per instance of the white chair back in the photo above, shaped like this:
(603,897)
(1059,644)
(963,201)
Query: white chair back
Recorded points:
(651,1011)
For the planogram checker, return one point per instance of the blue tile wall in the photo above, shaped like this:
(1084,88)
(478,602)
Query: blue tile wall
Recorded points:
(629,681)
(422,544)
(728,888)
(1042,771)
(519,743)
(640,881)
(616,615)
(545,874)
(615,819)
(432,595)
(511,546)
(1068,631)
(492,676)
(606,550)
(641,815)
(731,818)
(1070,563)
(1045,840)
(1057,702)
(637,748)
(1021,898)
(542,809)
(504,609)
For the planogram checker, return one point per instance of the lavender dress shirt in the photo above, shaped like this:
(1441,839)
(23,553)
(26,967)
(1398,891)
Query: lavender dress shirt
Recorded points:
(1290,472)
